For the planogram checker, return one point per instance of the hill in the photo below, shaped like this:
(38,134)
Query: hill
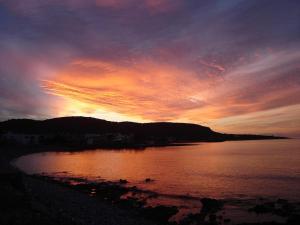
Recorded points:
(108,132)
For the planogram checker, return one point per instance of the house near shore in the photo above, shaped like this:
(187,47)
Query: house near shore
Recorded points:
(93,139)
(98,139)
(23,139)
(72,139)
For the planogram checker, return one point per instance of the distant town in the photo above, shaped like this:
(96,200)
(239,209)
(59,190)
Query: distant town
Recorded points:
(66,138)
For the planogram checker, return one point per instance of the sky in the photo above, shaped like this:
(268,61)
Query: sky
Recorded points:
(232,65)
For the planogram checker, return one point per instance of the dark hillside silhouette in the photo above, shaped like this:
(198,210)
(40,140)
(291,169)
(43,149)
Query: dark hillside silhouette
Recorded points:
(133,133)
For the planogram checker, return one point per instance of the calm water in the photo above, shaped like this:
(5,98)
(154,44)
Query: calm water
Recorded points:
(222,170)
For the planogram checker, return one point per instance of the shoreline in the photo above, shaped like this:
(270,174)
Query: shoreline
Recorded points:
(132,206)
(26,199)
(208,210)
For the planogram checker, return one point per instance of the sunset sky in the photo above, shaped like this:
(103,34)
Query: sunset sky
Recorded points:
(233,65)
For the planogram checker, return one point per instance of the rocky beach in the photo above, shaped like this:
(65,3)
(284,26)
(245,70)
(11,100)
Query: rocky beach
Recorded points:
(34,200)
(44,199)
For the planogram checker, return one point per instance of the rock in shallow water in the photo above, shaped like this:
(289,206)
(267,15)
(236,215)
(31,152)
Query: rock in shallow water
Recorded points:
(122,181)
(160,214)
(211,205)
(148,180)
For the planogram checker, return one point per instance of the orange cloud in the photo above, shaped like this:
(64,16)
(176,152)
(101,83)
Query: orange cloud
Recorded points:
(146,90)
